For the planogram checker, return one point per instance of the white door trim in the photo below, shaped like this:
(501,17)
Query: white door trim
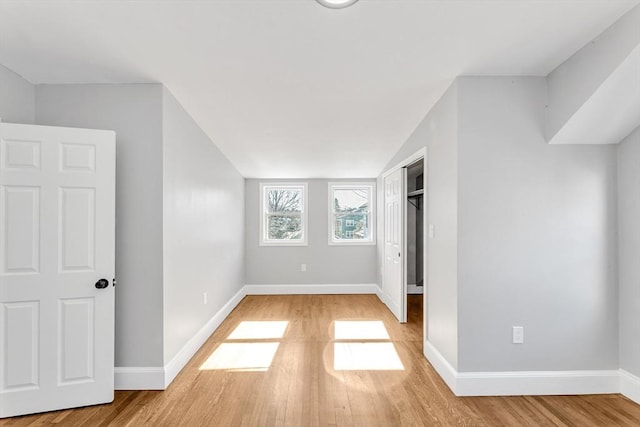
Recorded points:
(422,153)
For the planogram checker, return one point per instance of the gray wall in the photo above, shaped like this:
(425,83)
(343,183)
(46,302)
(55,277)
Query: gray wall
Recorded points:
(134,112)
(537,236)
(17,98)
(438,132)
(629,248)
(525,233)
(203,227)
(325,264)
(179,214)
(573,82)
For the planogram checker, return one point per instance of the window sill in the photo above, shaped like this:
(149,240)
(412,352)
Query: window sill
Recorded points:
(272,244)
(368,243)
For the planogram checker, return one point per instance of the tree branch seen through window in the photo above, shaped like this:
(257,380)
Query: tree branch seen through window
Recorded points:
(283,214)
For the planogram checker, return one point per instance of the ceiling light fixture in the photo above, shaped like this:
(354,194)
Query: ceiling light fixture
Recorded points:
(336,4)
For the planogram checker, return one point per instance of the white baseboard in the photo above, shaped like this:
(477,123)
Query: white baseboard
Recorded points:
(415,289)
(379,293)
(523,382)
(139,378)
(173,368)
(311,289)
(630,386)
(441,365)
(531,383)
(152,378)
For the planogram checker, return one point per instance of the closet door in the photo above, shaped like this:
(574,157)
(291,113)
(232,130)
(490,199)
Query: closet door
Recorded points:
(57,248)
(394,292)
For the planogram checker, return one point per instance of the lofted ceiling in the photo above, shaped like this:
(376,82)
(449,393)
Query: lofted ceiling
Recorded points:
(291,89)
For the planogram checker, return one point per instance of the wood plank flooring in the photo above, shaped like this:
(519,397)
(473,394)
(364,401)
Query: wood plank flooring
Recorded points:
(301,387)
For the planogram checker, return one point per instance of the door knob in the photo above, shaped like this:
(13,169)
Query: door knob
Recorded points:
(102,283)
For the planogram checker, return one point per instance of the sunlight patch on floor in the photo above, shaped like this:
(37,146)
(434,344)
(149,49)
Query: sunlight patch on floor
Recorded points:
(370,356)
(242,356)
(259,330)
(360,330)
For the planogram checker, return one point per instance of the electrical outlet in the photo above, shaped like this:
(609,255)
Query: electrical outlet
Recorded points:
(432,231)
(204,298)
(517,335)
(303,267)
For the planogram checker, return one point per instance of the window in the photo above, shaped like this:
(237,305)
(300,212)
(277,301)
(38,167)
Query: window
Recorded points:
(283,214)
(351,207)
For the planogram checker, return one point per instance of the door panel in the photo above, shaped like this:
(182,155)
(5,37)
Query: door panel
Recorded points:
(393,286)
(20,154)
(77,229)
(20,333)
(21,208)
(77,340)
(78,157)
(57,233)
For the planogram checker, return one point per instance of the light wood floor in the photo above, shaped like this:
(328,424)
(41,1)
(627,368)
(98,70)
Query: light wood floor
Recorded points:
(302,388)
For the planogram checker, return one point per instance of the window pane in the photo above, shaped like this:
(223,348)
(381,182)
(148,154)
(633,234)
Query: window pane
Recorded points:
(351,200)
(284,200)
(351,226)
(284,227)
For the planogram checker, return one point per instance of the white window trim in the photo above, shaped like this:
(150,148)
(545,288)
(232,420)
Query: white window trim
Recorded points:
(372,213)
(264,186)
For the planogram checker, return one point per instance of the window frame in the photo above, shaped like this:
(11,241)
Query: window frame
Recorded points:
(267,186)
(349,185)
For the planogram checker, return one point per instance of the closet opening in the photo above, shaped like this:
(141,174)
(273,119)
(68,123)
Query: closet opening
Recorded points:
(415,274)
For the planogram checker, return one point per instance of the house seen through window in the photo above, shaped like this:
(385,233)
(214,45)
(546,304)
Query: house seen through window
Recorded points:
(351,213)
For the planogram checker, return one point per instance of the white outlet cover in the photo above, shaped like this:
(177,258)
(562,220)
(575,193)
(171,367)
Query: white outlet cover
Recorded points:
(518,335)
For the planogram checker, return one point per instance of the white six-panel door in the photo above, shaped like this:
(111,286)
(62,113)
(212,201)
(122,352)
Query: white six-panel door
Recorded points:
(57,235)
(393,284)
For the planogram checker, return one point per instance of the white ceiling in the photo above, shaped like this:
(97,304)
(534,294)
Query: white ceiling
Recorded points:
(288,88)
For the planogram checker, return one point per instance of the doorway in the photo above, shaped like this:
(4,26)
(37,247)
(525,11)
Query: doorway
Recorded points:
(404,281)
(414,232)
